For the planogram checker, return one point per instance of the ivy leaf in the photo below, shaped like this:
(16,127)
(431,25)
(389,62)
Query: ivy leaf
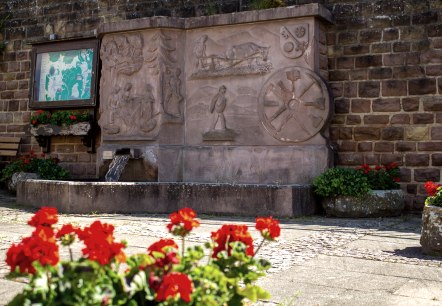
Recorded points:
(253,293)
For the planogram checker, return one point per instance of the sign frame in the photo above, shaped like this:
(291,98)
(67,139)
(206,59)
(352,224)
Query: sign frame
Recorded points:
(36,74)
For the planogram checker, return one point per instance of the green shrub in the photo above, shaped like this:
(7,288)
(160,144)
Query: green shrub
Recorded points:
(46,168)
(341,182)
(66,117)
(266,4)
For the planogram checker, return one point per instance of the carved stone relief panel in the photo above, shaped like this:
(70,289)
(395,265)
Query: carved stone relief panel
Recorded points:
(244,58)
(123,54)
(294,104)
(129,114)
(128,107)
(162,61)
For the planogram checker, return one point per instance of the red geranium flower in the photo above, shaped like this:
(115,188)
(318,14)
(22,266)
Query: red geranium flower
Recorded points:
(168,248)
(365,167)
(73,117)
(396,179)
(391,165)
(230,233)
(39,111)
(268,227)
(34,122)
(99,243)
(67,234)
(46,216)
(40,246)
(182,222)
(431,188)
(45,233)
(377,167)
(172,284)
(162,245)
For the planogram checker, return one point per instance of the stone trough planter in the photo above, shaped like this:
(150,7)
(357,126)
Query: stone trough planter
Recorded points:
(377,203)
(80,129)
(431,236)
(43,133)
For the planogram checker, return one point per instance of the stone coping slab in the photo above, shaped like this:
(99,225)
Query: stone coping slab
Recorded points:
(219,199)
(296,11)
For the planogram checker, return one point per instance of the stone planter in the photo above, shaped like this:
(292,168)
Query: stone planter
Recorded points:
(377,203)
(431,236)
(18,177)
(43,133)
(81,129)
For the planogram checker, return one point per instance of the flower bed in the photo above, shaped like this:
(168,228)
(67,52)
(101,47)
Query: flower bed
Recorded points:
(222,272)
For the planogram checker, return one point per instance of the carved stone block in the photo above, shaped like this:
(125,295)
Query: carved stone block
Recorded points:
(228,98)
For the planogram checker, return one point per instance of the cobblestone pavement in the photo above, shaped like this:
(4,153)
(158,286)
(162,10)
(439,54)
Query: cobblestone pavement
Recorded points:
(316,261)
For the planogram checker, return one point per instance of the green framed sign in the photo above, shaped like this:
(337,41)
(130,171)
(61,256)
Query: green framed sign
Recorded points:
(64,74)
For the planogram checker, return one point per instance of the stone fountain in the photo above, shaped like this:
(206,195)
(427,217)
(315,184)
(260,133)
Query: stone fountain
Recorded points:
(226,114)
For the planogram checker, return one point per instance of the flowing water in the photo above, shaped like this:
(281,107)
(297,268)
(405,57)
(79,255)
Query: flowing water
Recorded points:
(116,168)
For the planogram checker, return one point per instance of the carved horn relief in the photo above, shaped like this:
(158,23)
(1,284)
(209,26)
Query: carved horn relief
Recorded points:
(294,40)
(294,104)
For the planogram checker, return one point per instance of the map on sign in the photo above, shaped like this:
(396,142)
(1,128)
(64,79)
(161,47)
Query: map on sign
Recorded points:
(65,75)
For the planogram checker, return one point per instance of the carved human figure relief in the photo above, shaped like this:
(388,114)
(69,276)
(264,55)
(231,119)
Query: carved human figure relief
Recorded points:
(294,40)
(218,104)
(199,50)
(113,104)
(218,129)
(172,93)
(294,104)
(147,116)
(242,59)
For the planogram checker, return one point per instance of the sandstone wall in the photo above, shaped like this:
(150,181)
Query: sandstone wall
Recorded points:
(385,72)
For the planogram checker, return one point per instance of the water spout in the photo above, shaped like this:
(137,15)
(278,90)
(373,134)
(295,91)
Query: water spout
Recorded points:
(116,167)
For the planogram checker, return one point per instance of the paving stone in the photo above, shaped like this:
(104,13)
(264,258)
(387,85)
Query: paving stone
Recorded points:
(316,261)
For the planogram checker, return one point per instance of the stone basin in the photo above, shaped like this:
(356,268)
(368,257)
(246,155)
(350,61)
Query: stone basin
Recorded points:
(154,197)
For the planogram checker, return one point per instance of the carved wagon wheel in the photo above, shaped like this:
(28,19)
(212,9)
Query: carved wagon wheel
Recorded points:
(294,104)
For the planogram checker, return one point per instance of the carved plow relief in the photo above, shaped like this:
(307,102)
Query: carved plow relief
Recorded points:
(294,40)
(218,129)
(294,104)
(242,59)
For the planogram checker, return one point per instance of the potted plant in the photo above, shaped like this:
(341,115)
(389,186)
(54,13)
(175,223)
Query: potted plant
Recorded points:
(30,166)
(64,122)
(431,235)
(223,272)
(362,192)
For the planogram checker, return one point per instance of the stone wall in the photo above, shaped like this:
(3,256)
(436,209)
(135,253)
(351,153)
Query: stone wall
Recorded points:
(385,64)
(385,71)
